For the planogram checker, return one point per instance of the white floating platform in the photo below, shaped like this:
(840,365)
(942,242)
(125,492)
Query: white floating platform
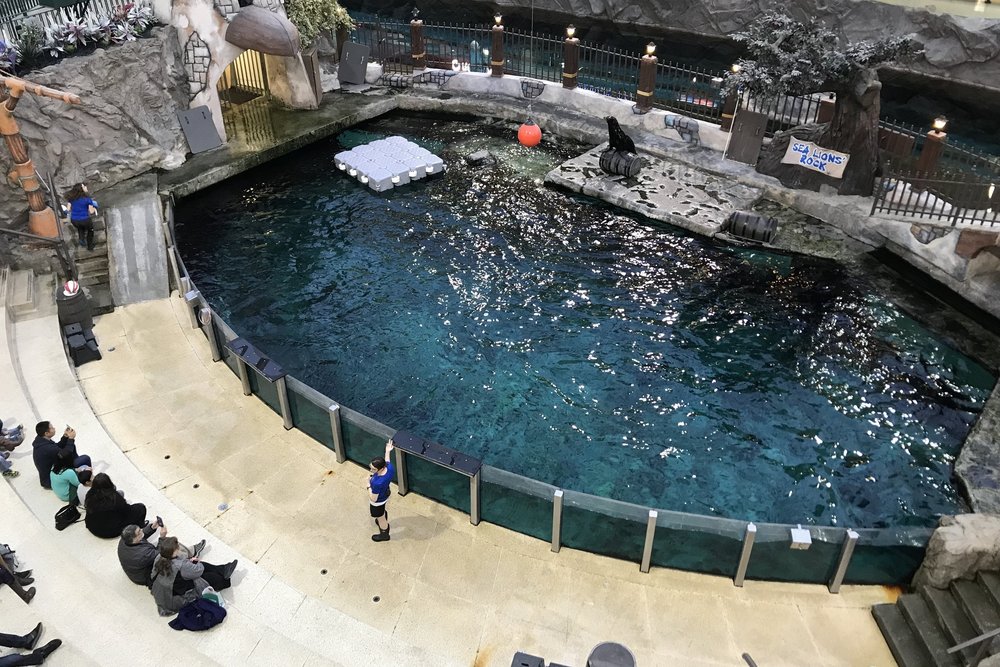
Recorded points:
(388,163)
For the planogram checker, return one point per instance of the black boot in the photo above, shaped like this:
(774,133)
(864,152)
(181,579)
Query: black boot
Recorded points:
(26,573)
(29,640)
(383,535)
(24,580)
(25,595)
(48,649)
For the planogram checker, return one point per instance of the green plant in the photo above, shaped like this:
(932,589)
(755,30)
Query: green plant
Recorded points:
(30,45)
(312,17)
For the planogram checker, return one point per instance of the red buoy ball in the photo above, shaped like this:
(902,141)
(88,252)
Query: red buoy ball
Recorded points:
(529,134)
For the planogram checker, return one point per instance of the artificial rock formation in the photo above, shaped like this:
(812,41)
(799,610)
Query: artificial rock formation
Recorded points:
(961,546)
(956,48)
(125,125)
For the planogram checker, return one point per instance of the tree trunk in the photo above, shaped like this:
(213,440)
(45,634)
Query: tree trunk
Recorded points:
(853,130)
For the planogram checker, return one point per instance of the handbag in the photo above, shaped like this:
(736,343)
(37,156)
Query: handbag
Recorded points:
(211,594)
(67,516)
(9,556)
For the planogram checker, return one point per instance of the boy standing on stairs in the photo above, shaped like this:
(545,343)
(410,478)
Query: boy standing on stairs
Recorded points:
(81,208)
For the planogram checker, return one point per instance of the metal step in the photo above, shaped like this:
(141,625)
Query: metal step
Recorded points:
(977,604)
(991,582)
(925,626)
(902,641)
(950,615)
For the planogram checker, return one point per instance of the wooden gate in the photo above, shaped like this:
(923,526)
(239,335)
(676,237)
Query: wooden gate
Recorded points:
(746,137)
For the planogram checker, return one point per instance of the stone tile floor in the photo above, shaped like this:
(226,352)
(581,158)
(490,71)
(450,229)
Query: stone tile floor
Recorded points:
(475,594)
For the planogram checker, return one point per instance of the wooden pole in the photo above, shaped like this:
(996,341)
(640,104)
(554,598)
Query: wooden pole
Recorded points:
(496,52)
(571,62)
(647,83)
(418,50)
(41,217)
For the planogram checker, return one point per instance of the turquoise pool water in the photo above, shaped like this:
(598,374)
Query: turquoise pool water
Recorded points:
(559,338)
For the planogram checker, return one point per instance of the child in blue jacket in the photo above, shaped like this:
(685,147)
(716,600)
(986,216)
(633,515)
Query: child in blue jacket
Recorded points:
(81,207)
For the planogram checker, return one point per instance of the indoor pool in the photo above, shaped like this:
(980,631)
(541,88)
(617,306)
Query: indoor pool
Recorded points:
(562,339)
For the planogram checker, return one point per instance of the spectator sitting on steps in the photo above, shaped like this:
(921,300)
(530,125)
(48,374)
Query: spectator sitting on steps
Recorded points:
(64,479)
(137,555)
(44,450)
(107,510)
(178,580)
(10,437)
(26,643)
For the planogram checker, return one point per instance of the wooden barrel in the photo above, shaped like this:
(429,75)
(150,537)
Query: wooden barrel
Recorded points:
(620,163)
(752,226)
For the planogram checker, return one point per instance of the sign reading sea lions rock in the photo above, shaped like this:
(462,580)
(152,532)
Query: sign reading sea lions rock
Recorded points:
(809,155)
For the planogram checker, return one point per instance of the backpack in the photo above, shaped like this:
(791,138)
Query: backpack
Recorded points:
(67,516)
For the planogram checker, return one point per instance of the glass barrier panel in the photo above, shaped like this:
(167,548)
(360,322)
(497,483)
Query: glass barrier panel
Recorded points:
(773,558)
(362,442)
(516,502)
(264,390)
(707,544)
(603,526)
(437,483)
(887,556)
(309,418)
(230,360)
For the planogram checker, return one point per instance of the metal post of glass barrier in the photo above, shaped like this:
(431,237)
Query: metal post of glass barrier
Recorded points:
(241,368)
(474,499)
(647,549)
(557,501)
(401,481)
(748,538)
(175,269)
(845,559)
(205,316)
(338,436)
(192,299)
(286,410)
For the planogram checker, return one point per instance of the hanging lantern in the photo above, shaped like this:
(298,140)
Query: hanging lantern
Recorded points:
(529,134)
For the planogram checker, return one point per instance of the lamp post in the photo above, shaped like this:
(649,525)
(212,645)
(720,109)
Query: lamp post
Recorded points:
(731,103)
(418,52)
(496,50)
(647,80)
(933,146)
(571,58)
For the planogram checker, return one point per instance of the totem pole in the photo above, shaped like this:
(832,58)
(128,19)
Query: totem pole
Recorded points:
(41,217)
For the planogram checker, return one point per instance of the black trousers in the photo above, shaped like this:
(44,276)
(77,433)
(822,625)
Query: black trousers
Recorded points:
(85,228)
(16,659)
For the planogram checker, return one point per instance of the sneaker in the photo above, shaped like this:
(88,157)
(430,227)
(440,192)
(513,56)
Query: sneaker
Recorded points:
(198,548)
(11,474)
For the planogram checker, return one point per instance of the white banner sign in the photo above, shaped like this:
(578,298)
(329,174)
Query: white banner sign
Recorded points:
(809,155)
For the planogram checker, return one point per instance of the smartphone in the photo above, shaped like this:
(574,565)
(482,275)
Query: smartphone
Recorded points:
(159,521)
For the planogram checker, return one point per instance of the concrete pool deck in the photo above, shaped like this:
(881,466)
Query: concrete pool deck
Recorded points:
(449,592)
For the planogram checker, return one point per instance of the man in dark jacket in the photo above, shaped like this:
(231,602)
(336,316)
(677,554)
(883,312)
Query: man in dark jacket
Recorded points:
(136,554)
(45,449)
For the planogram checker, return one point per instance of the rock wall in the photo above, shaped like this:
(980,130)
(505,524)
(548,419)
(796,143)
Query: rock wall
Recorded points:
(126,124)
(960,49)
(960,546)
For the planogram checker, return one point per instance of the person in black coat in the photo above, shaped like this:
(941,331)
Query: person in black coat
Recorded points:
(107,510)
(44,450)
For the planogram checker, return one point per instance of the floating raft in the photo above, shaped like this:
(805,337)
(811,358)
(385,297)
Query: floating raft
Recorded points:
(388,163)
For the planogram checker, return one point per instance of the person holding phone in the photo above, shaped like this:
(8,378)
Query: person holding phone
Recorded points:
(136,554)
(44,451)
(382,472)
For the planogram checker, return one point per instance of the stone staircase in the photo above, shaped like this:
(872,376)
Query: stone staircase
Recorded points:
(922,626)
(94,273)
(26,294)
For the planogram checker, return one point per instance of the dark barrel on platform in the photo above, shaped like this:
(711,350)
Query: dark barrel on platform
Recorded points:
(620,162)
(74,309)
(748,225)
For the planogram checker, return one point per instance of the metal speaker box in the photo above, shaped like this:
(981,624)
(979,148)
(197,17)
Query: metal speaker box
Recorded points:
(353,63)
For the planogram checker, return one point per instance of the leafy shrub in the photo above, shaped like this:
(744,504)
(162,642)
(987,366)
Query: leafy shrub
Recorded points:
(30,45)
(312,17)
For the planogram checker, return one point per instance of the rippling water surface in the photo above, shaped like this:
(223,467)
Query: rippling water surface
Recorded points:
(561,339)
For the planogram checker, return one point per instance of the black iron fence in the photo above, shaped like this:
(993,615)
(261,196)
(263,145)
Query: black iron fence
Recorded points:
(951,197)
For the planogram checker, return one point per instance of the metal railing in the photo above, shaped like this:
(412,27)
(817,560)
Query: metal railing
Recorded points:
(983,642)
(951,197)
(47,17)
(648,536)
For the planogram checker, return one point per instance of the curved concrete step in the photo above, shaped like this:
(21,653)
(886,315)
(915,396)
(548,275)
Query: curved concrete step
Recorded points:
(269,622)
